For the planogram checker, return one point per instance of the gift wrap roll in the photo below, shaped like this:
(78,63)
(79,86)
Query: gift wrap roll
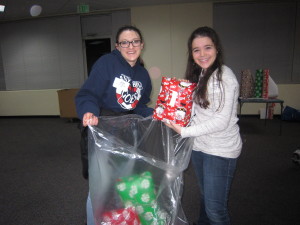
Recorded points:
(138,191)
(258,83)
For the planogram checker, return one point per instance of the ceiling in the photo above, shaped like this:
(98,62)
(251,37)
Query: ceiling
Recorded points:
(21,9)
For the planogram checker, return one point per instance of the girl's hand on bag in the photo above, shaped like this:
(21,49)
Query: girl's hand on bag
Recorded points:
(89,119)
(174,126)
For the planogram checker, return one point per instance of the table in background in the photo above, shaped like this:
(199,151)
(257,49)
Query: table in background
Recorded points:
(265,101)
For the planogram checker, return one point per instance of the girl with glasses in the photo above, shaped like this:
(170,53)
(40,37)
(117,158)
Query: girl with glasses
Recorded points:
(118,84)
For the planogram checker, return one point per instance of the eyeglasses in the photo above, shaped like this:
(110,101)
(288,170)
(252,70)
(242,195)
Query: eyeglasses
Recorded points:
(125,44)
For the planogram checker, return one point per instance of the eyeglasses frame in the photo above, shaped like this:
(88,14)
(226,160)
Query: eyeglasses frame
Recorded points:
(130,42)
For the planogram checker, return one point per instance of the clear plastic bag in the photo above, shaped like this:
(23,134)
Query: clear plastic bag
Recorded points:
(131,151)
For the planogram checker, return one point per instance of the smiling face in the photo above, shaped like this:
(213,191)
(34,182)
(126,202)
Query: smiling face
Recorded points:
(204,52)
(131,53)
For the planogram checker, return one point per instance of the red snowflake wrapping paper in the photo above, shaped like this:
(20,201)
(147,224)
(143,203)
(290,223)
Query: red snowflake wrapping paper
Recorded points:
(126,216)
(174,101)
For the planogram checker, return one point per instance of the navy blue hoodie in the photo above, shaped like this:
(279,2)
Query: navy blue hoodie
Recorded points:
(114,85)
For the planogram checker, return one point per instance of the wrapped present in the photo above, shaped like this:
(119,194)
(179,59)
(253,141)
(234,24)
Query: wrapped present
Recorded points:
(174,101)
(138,191)
(127,216)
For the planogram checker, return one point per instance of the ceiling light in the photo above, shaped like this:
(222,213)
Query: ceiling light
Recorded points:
(2,7)
(35,10)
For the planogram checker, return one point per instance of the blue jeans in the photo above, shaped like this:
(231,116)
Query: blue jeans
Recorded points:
(215,176)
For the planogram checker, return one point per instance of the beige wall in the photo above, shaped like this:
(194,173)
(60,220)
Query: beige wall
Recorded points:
(166,36)
(28,103)
(166,39)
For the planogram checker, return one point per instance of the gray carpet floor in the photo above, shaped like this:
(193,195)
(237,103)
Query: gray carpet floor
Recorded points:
(41,181)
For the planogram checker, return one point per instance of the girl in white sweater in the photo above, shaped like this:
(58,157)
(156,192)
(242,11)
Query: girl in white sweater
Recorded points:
(217,142)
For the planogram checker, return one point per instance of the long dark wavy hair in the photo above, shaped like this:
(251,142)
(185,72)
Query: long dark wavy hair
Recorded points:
(193,70)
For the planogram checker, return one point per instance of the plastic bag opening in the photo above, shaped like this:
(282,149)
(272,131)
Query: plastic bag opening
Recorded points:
(135,169)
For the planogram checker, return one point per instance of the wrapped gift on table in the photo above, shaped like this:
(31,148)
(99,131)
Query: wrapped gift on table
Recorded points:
(126,216)
(138,191)
(174,101)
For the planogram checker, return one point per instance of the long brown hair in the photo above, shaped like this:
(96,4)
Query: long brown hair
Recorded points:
(193,70)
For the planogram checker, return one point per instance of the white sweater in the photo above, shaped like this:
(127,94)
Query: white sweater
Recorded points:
(215,129)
